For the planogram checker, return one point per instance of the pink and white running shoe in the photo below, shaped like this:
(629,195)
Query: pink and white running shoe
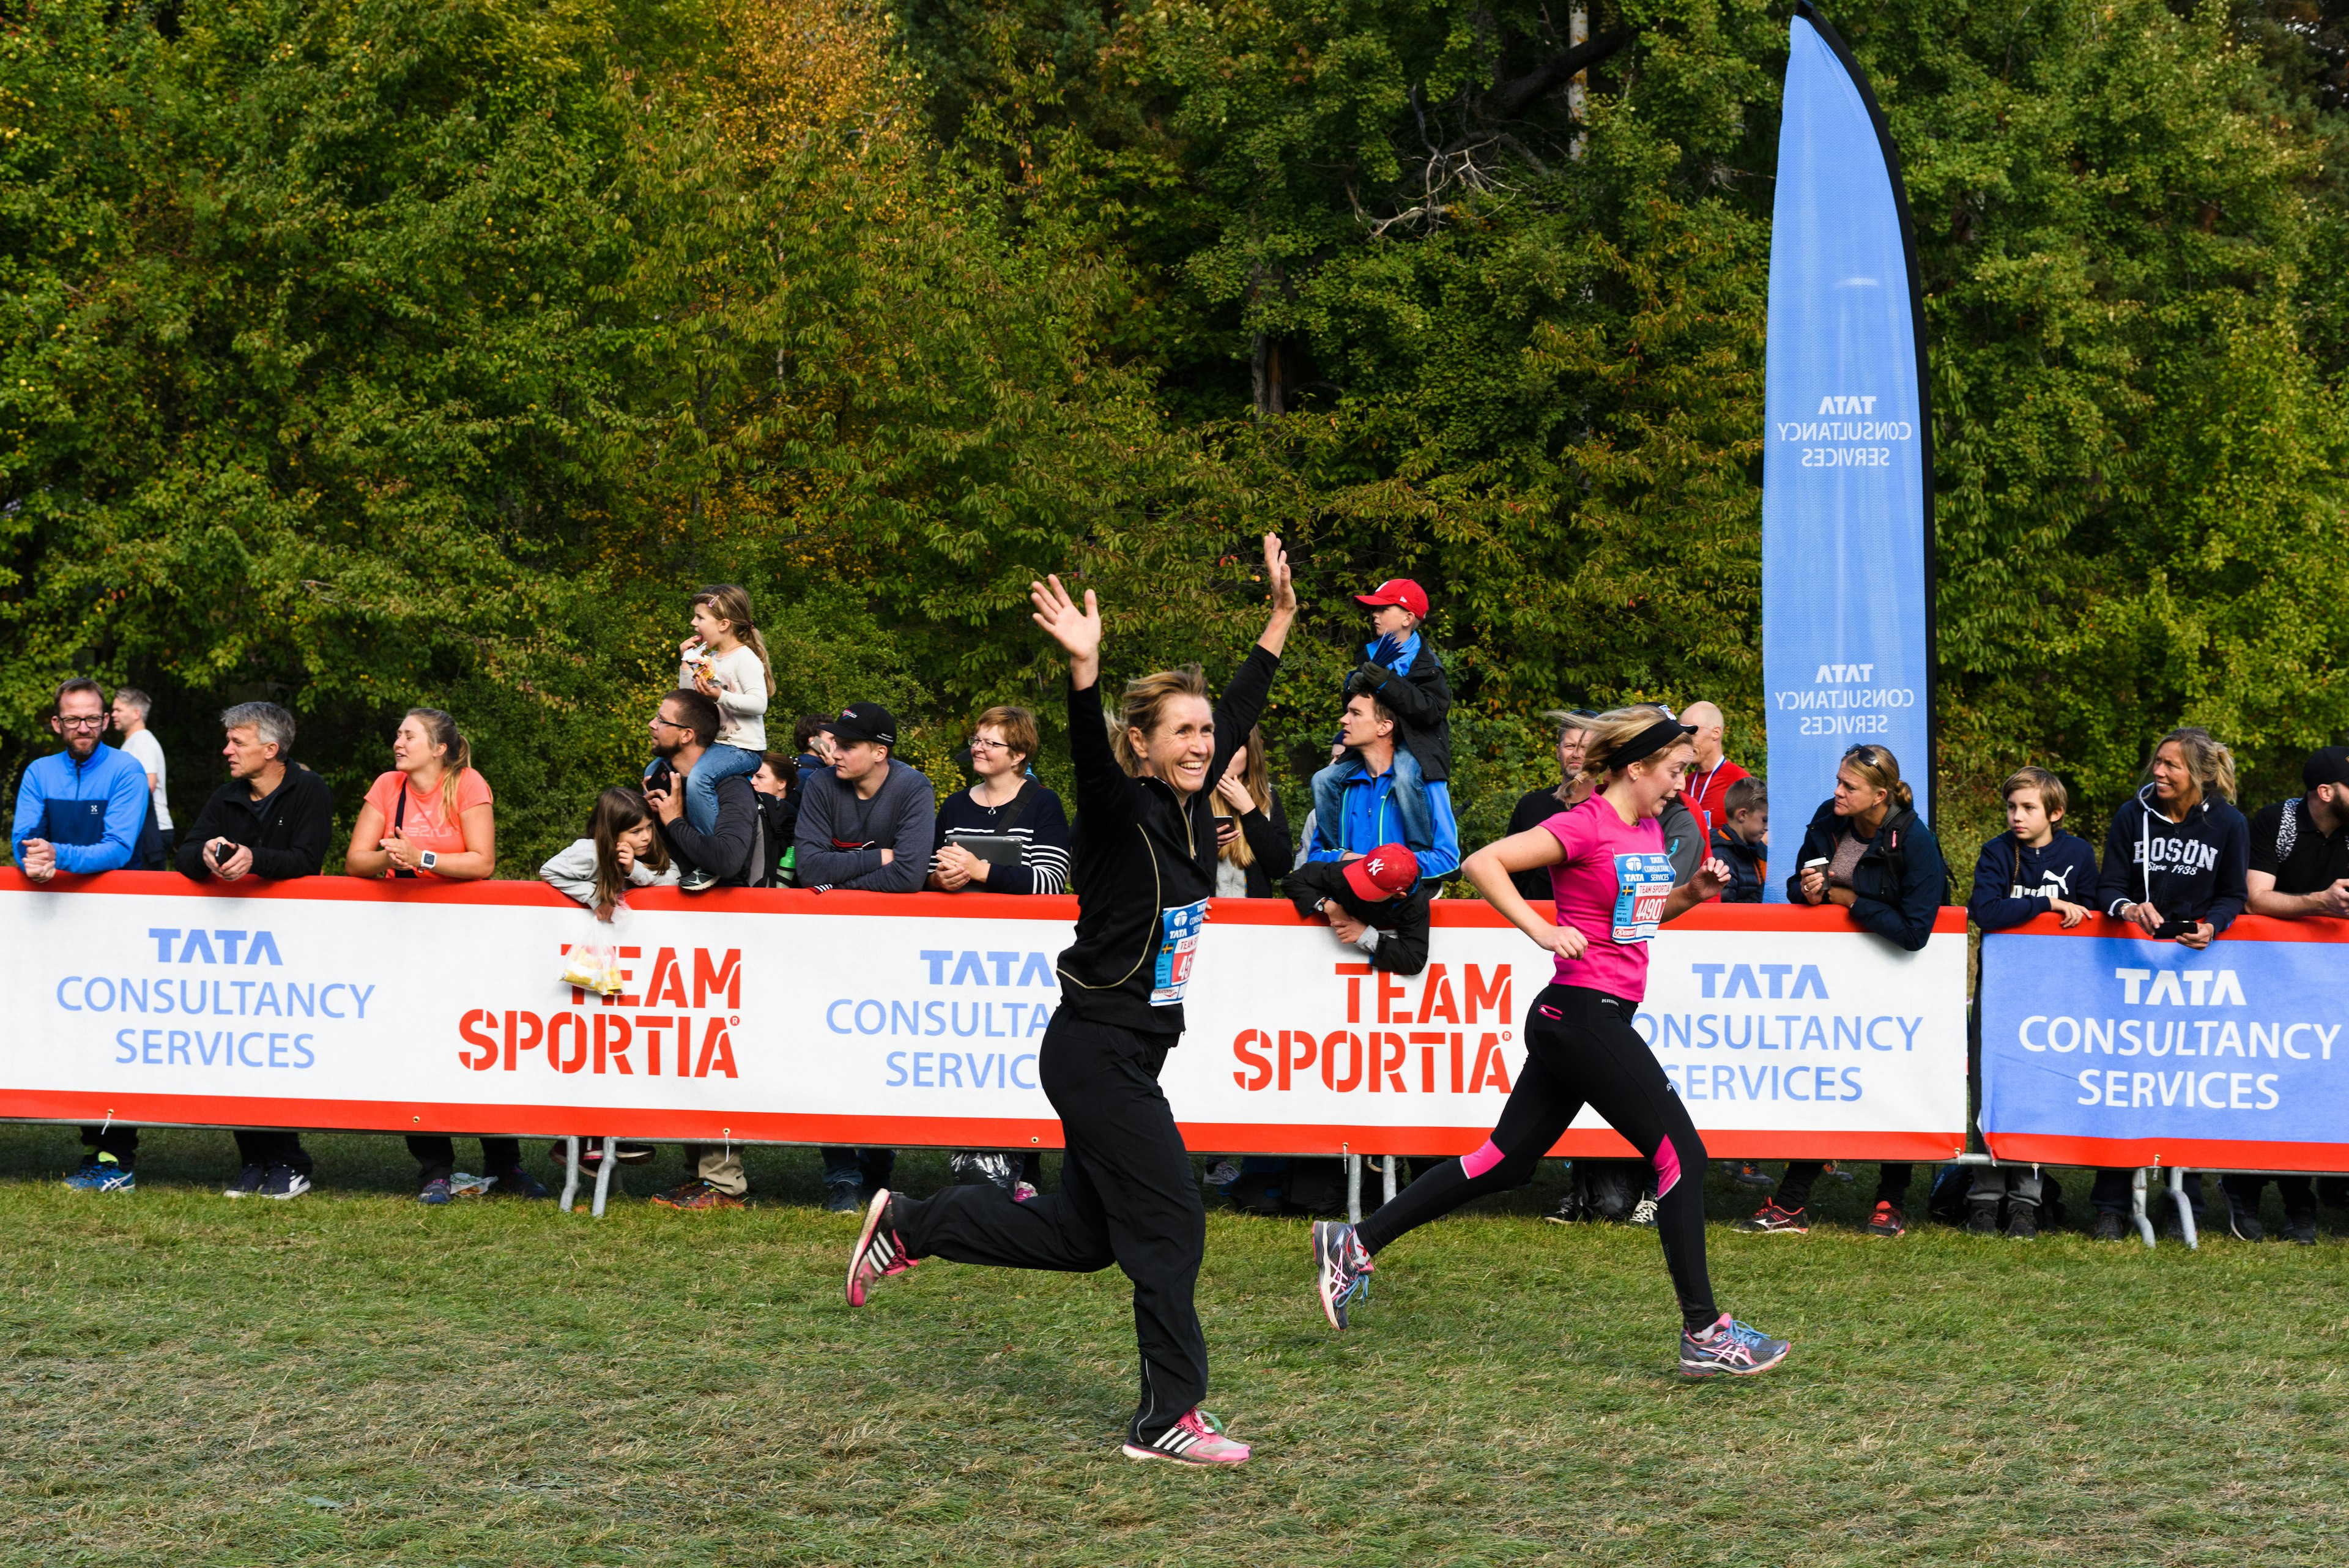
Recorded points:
(1196,1439)
(1341,1269)
(879,1253)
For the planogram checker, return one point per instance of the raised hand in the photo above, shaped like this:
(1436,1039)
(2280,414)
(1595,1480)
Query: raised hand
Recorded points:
(1078,632)
(1284,596)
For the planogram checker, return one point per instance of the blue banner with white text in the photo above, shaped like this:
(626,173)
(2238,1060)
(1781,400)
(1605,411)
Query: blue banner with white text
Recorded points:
(1846,655)
(2116,1050)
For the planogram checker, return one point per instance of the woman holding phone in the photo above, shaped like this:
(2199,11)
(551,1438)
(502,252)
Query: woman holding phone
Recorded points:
(1612,888)
(1869,850)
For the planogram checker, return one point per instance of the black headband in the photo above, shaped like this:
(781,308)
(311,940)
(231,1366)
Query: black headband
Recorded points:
(1647,743)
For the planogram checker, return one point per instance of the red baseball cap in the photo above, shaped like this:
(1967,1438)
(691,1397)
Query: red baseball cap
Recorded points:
(1385,871)
(1398,591)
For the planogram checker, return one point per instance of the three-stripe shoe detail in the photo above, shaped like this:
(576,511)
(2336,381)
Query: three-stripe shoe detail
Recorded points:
(880,1251)
(1196,1439)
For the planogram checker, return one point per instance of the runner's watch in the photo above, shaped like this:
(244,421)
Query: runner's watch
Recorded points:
(427,860)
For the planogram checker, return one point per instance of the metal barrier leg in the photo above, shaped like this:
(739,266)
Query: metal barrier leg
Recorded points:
(1353,1189)
(2136,1206)
(604,1176)
(571,1172)
(1387,1186)
(2185,1209)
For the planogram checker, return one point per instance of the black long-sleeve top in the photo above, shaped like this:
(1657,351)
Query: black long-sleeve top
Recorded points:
(1138,853)
(288,830)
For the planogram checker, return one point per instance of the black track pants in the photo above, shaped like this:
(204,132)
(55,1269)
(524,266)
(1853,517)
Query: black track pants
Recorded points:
(1580,1048)
(1127,1196)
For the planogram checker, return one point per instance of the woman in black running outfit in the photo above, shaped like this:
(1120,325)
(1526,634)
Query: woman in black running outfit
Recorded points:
(1144,869)
(1612,879)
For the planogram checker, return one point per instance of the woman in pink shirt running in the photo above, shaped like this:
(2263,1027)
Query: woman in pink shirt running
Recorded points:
(1613,882)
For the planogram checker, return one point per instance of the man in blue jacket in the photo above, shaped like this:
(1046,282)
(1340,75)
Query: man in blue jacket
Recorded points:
(1368,809)
(81,810)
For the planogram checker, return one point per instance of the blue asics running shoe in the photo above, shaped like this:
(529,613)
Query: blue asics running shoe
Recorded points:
(104,1174)
(1732,1347)
(1343,1267)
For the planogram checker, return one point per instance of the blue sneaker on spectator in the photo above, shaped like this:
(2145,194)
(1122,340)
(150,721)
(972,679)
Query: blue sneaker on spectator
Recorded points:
(283,1183)
(247,1183)
(103,1174)
(516,1183)
(436,1192)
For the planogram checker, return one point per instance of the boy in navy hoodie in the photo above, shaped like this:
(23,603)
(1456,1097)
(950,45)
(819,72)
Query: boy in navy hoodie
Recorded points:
(2033,868)
(2176,859)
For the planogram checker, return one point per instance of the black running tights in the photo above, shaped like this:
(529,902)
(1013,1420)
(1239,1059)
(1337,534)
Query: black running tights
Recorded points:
(1580,1048)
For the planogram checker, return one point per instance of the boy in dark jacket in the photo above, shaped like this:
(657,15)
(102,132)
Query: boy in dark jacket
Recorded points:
(1376,903)
(1402,671)
(1741,842)
(2033,868)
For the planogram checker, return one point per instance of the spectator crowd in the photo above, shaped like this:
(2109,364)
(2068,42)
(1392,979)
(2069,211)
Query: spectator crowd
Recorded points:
(715,807)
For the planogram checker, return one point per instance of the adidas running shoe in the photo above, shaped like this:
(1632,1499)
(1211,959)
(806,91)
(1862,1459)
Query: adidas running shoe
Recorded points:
(879,1252)
(1342,1269)
(1196,1439)
(1729,1348)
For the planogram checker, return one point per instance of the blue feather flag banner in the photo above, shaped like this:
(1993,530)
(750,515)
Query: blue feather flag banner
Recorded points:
(1846,499)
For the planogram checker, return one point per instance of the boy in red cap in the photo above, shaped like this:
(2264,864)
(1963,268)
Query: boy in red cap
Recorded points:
(1401,670)
(1374,903)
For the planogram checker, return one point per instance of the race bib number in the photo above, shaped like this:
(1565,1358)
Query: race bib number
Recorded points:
(1642,883)
(1178,945)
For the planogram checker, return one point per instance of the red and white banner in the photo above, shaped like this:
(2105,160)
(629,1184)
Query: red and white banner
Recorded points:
(852,1018)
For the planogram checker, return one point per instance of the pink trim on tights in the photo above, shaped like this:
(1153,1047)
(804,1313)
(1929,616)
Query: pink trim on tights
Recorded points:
(1474,1165)
(1668,1167)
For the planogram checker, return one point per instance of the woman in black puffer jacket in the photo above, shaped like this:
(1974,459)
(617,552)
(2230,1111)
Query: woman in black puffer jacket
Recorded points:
(1869,850)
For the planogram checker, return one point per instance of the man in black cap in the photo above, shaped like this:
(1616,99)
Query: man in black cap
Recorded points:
(2299,847)
(866,824)
(2299,869)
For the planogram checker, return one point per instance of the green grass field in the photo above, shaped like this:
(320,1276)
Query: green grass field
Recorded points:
(353,1378)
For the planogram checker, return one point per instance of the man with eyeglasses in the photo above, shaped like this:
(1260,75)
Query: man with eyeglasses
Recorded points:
(82,811)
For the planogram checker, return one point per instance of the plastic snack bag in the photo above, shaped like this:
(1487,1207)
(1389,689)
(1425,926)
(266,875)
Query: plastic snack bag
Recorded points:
(593,966)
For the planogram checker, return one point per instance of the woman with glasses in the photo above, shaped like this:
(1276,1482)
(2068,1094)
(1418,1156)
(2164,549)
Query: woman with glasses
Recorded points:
(1869,850)
(1006,833)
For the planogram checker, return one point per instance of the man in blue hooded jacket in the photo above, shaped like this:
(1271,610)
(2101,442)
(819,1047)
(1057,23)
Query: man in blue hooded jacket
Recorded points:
(81,810)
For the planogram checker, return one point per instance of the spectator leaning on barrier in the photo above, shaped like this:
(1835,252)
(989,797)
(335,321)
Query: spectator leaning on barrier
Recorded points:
(1005,803)
(868,825)
(2033,868)
(1537,806)
(81,810)
(130,709)
(1867,849)
(2298,870)
(622,850)
(1742,840)
(1376,903)
(2175,858)
(273,821)
(1714,775)
(1367,812)
(432,818)
(776,784)
(1252,843)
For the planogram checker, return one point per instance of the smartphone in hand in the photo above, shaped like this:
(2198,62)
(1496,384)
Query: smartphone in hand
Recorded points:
(223,851)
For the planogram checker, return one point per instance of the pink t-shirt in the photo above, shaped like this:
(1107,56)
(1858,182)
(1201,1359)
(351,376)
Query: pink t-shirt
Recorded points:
(428,822)
(1611,887)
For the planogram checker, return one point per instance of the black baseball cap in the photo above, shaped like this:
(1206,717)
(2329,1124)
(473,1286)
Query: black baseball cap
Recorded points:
(865,721)
(2327,767)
